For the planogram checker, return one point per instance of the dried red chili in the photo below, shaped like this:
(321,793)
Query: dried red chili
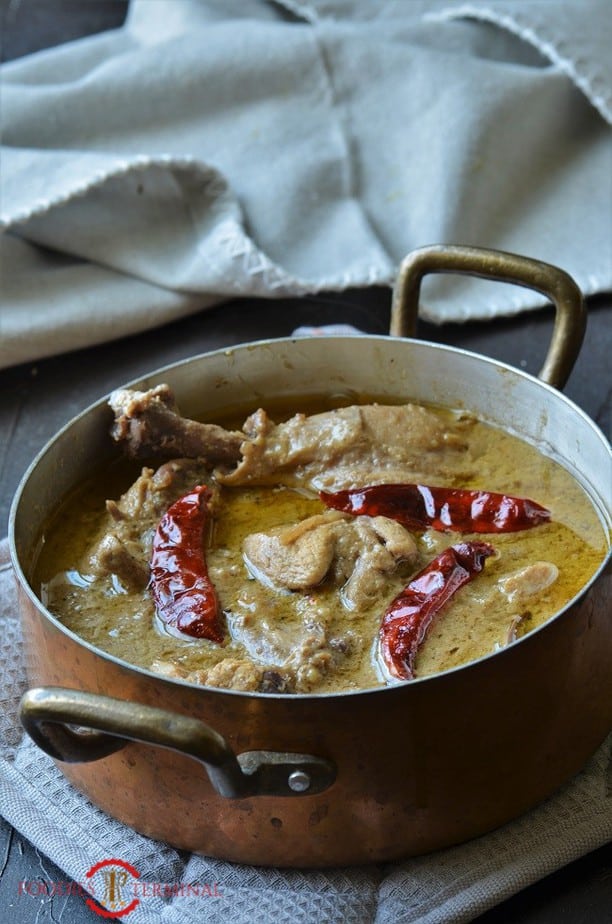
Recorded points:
(408,618)
(183,592)
(418,506)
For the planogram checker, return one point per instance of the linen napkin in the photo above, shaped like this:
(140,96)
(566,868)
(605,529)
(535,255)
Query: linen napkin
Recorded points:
(211,149)
(447,887)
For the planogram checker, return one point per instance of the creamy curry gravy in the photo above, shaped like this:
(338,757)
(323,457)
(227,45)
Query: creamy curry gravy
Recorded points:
(307,641)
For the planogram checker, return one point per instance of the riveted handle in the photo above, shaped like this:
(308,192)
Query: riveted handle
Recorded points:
(52,715)
(554,283)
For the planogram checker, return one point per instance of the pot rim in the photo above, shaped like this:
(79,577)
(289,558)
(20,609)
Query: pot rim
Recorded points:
(145,381)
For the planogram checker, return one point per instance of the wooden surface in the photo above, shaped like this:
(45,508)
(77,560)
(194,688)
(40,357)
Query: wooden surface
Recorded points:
(37,398)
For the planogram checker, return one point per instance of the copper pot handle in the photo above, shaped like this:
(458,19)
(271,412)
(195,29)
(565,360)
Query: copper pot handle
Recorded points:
(554,283)
(109,724)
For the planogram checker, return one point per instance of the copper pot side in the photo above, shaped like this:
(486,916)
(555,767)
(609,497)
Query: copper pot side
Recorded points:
(419,767)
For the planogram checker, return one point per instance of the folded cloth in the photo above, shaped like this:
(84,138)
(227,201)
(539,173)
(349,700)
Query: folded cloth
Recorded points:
(453,885)
(220,148)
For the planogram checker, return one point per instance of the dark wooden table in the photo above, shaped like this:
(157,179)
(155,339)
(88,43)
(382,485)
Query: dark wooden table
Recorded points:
(37,398)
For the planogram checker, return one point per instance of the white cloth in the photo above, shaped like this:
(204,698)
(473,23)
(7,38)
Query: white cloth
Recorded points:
(220,148)
(448,887)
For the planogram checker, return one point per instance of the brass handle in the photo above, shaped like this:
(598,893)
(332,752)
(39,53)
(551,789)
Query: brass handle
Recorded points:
(554,283)
(109,724)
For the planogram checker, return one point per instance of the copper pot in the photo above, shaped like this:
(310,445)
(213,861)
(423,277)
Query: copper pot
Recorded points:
(321,780)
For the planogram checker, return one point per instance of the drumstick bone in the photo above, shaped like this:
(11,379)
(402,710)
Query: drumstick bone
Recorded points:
(149,425)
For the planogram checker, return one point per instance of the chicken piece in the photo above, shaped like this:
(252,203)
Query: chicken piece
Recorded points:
(520,586)
(235,674)
(274,642)
(341,448)
(381,546)
(149,425)
(346,446)
(171,670)
(123,557)
(229,674)
(124,547)
(528,581)
(312,660)
(296,558)
(297,653)
(358,551)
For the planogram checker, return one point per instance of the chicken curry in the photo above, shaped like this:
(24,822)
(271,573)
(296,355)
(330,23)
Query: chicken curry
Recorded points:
(335,550)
